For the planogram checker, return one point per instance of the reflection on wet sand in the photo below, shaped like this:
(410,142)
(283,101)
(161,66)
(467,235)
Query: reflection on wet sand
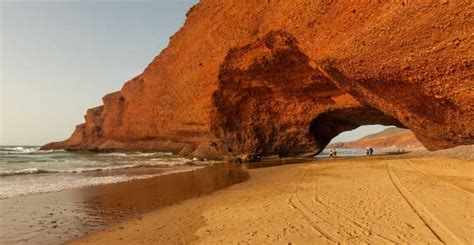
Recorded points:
(54,218)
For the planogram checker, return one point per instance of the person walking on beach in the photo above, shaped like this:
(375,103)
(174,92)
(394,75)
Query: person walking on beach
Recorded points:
(332,154)
(368,151)
(371,151)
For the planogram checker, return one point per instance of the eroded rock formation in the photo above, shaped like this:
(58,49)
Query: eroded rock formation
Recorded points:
(287,76)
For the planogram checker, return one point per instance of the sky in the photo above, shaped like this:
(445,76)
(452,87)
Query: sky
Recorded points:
(59,58)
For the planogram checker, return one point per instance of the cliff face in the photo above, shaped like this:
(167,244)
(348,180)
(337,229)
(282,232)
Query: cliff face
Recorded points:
(389,138)
(288,76)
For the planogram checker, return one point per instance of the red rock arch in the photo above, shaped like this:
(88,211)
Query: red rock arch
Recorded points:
(272,99)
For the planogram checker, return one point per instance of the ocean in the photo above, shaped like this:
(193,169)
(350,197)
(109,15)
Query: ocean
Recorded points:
(51,197)
(26,170)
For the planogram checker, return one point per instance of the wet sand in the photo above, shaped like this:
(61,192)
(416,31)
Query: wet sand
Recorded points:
(58,217)
(378,200)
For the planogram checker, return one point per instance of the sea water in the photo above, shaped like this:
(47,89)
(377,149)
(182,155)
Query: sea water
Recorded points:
(51,197)
(27,170)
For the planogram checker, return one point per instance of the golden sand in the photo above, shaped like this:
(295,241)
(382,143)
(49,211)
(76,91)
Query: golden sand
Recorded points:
(359,200)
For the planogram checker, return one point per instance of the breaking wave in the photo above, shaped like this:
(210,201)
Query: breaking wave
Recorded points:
(27,169)
(25,150)
(43,185)
(159,162)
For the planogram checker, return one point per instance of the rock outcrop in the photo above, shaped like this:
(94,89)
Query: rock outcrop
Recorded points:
(392,137)
(283,77)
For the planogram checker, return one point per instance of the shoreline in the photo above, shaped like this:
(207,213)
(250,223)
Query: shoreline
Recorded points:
(323,201)
(59,217)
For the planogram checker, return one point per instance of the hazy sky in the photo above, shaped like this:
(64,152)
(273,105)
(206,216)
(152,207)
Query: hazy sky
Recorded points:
(58,58)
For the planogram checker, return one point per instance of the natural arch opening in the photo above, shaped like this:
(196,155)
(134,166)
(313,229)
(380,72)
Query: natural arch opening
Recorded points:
(383,139)
(330,124)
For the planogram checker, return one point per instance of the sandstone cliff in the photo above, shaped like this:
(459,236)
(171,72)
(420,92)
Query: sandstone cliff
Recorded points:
(389,138)
(286,77)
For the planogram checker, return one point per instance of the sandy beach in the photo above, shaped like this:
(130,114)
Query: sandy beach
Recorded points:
(378,200)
